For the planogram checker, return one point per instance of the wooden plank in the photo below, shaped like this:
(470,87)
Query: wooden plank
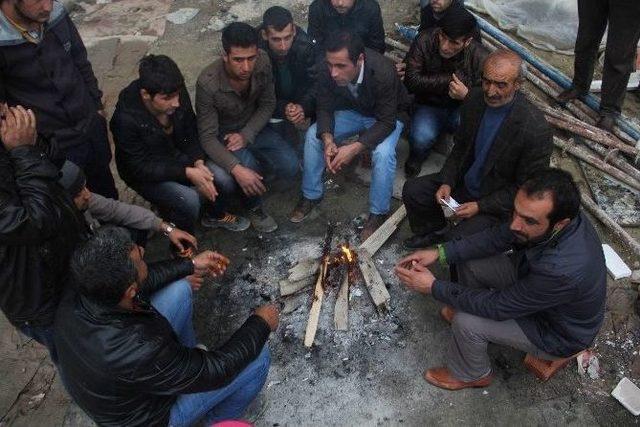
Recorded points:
(380,236)
(375,284)
(314,313)
(303,269)
(341,313)
(287,287)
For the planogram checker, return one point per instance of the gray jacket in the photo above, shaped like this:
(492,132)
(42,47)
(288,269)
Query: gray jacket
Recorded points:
(103,210)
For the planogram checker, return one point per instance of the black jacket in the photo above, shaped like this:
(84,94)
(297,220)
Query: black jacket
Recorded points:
(127,367)
(301,62)
(429,19)
(559,297)
(381,95)
(39,227)
(428,74)
(364,19)
(144,152)
(54,78)
(523,144)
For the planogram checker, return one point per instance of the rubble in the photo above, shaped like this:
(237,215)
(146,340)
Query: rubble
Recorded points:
(182,16)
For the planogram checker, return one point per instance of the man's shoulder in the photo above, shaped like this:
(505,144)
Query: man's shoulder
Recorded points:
(368,6)
(209,77)
(382,66)
(317,6)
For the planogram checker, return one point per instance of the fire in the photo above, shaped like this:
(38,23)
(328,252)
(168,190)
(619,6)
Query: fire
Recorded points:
(347,253)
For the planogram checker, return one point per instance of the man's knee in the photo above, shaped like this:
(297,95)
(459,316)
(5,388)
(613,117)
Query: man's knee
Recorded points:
(384,155)
(181,292)
(465,324)
(423,134)
(311,137)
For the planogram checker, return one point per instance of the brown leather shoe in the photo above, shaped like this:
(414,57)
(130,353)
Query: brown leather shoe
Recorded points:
(568,95)
(447,313)
(545,369)
(303,210)
(441,377)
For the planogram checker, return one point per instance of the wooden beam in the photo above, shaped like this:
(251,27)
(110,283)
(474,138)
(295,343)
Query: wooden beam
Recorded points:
(375,284)
(396,44)
(314,313)
(341,313)
(306,268)
(377,239)
(287,287)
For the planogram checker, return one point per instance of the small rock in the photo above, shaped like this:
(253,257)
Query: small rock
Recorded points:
(485,392)
(272,383)
(588,364)
(103,1)
(635,276)
(183,15)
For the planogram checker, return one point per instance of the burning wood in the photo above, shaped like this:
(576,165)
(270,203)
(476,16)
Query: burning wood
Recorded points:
(318,293)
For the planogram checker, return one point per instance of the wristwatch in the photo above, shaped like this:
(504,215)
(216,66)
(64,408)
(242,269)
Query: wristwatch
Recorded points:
(169,228)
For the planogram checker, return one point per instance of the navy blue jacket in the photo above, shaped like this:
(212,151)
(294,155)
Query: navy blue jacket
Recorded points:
(559,297)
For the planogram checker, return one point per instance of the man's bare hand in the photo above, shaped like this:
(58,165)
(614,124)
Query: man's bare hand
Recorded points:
(17,126)
(467,210)
(425,258)
(248,180)
(457,89)
(344,156)
(182,240)
(270,314)
(202,179)
(400,69)
(195,281)
(330,150)
(294,113)
(444,192)
(209,263)
(418,278)
(234,141)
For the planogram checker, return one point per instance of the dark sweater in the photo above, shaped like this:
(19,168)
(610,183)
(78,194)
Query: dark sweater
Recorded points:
(559,297)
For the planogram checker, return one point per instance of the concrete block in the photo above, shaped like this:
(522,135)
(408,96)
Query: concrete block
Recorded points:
(628,394)
(615,265)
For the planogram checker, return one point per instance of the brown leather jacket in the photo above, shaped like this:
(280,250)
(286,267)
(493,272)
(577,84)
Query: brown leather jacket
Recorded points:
(428,74)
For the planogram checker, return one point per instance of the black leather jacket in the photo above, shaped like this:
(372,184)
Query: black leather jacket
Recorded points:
(39,227)
(127,367)
(428,74)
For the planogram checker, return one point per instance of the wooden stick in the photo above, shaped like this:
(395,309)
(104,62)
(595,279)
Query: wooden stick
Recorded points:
(306,268)
(396,44)
(314,313)
(610,156)
(380,236)
(341,313)
(288,287)
(596,162)
(373,280)
(613,226)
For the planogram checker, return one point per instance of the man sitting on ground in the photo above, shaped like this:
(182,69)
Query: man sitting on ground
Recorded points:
(546,297)
(158,152)
(502,138)
(360,17)
(293,62)
(234,100)
(443,64)
(100,210)
(128,352)
(359,92)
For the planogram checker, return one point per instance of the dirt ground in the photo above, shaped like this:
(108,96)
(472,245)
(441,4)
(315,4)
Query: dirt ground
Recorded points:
(368,375)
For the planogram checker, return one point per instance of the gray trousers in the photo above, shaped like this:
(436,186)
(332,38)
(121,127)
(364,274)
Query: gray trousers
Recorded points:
(467,357)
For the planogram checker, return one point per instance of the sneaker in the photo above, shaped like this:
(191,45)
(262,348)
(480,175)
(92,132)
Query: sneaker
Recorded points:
(373,222)
(262,221)
(228,222)
(303,209)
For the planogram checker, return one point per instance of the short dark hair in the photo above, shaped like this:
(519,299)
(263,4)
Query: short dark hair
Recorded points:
(560,186)
(276,17)
(345,40)
(458,24)
(102,268)
(159,74)
(238,34)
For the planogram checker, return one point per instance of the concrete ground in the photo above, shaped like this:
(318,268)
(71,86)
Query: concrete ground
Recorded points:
(368,375)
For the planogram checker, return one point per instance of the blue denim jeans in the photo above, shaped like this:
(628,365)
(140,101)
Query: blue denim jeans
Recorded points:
(427,123)
(270,155)
(180,203)
(349,123)
(174,302)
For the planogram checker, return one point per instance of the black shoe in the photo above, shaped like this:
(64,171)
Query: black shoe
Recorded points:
(569,94)
(412,167)
(606,122)
(423,241)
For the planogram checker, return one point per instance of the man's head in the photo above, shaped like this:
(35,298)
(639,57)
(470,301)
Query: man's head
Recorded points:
(455,33)
(240,44)
(544,205)
(108,268)
(160,84)
(278,30)
(344,55)
(440,6)
(74,181)
(32,11)
(342,6)
(502,76)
